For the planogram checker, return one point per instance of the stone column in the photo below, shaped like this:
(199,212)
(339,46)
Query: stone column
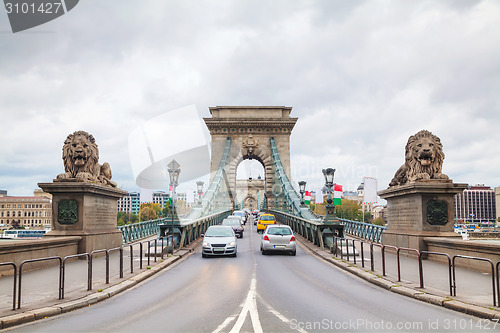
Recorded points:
(87,210)
(420,209)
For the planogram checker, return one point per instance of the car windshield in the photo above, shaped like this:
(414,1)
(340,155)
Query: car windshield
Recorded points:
(231,222)
(267,218)
(279,231)
(219,232)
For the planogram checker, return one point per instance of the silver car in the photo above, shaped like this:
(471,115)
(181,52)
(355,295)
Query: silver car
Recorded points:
(278,238)
(219,240)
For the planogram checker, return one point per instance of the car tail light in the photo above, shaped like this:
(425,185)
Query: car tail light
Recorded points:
(292,239)
(266,238)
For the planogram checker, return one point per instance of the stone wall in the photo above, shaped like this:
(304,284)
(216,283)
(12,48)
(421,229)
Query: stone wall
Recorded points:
(472,248)
(19,250)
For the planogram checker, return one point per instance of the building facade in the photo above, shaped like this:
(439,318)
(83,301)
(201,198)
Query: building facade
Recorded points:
(476,205)
(29,212)
(130,203)
(497,202)
(161,198)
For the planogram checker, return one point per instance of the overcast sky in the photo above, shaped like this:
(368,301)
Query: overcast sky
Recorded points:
(361,76)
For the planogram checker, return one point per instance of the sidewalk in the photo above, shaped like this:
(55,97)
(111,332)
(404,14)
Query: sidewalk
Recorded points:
(474,289)
(40,288)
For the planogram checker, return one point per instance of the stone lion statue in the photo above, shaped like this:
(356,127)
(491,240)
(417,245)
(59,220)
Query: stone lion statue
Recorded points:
(423,160)
(80,156)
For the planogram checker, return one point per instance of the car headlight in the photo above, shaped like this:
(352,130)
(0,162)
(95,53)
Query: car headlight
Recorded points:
(206,244)
(231,243)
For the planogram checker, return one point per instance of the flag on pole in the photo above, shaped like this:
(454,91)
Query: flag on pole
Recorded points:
(337,194)
(307,197)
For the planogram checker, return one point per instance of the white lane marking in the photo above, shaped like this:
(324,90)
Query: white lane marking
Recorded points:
(279,315)
(250,306)
(224,324)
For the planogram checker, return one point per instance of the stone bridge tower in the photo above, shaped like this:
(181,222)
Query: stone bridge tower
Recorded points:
(250,128)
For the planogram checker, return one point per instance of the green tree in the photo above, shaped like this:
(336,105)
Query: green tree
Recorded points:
(121,218)
(349,210)
(149,211)
(379,221)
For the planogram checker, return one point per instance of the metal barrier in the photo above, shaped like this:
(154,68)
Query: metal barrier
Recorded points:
(311,230)
(135,231)
(63,271)
(474,258)
(498,282)
(419,264)
(36,260)
(91,264)
(121,259)
(366,231)
(451,265)
(449,268)
(14,283)
(383,257)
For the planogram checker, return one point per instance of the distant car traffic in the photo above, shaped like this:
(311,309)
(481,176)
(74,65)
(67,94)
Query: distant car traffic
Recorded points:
(236,217)
(264,221)
(236,225)
(278,238)
(219,240)
(241,213)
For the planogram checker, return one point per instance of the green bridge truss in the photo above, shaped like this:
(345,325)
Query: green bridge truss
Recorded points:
(218,202)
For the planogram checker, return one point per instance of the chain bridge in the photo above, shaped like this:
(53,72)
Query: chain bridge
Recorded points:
(261,134)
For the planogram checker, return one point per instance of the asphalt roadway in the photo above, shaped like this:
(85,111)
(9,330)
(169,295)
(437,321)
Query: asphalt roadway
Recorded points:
(256,293)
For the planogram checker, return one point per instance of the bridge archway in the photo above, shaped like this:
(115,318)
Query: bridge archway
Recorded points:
(250,129)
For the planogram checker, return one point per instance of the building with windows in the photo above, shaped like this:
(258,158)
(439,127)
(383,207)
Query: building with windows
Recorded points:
(497,204)
(476,205)
(130,203)
(29,212)
(161,198)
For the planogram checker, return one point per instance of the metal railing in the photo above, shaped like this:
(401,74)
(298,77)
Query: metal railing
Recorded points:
(191,230)
(479,259)
(419,255)
(371,232)
(136,231)
(37,260)
(14,266)
(450,281)
(311,230)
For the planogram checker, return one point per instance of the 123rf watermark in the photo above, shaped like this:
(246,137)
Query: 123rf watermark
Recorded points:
(365,325)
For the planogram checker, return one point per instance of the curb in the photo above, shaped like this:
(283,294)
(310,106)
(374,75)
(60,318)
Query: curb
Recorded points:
(446,302)
(41,313)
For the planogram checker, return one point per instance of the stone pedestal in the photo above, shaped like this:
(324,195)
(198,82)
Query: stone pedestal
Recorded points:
(418,210)
(87,210)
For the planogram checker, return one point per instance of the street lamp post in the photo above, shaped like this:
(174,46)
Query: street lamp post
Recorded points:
(330,208)
(173,172)
(199,186)
(302,189)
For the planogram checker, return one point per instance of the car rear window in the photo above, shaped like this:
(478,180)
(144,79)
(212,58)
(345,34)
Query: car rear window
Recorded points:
(231,222)
(279,231)
(267,218)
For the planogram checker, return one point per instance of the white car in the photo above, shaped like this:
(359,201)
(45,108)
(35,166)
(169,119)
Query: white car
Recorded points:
(278,238)
(219,240)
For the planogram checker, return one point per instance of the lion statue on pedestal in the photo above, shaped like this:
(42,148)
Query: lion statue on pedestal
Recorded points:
(81,156)
(423,160)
